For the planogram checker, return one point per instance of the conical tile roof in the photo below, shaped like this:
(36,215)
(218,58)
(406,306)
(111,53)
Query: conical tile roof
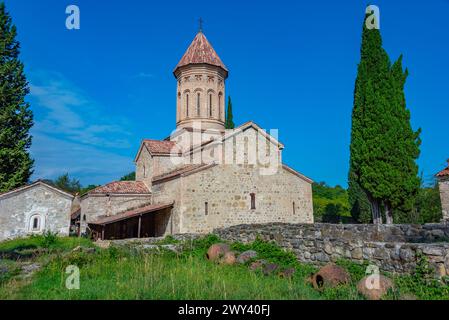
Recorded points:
(201,51)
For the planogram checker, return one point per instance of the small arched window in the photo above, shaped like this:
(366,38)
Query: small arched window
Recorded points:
(253,201)
(294,209)
(220,98)
(206,208)
(35,223)
(198,103)
(84,217)
(187,105)
(210,105)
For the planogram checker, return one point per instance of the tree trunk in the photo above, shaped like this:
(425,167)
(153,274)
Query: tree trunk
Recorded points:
(377,216)
(388,213)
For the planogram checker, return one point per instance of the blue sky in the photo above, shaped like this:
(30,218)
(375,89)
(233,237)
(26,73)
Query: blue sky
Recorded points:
(98,91)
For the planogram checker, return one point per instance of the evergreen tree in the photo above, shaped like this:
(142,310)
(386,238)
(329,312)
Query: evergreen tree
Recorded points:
(129,177)
(16,118)
(64,182)
(383,145)
(404,144)
(371,74)
(229,124)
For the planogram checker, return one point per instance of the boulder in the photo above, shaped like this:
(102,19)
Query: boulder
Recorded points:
(29,269)
(3,269)
(217,251)
(103,244)
(269,268)
(408,296)
(83,249)
(287,273)
(257,264)
(246,256)
(330,276)
(373,288)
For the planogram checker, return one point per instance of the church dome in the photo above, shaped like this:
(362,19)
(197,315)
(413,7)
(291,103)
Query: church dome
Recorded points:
(201,51)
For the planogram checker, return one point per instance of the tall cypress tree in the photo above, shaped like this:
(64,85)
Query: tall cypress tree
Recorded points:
(384,146)
(16,119)
(371,74)
(229,124)
(404,145)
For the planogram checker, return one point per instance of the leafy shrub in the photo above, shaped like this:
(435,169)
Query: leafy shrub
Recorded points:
(356,271)
(269,251)
(422,282)
(48,239)
(168,240)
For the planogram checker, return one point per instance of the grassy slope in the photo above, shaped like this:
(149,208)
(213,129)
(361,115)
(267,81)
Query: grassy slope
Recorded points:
(126,274)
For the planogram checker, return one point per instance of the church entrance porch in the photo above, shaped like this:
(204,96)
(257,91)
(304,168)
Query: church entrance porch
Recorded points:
(145,222)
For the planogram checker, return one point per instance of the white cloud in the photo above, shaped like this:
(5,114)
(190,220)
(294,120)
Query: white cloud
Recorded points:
(91,165)
(70,113)
(71,133)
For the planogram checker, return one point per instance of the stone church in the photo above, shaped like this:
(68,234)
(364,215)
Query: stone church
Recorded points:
(201,176)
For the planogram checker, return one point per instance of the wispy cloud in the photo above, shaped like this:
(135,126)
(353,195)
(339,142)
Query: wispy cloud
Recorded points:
(145,75)
(89,164)
(72,132)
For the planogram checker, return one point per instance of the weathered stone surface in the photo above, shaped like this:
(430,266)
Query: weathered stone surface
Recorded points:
(444,196)
(29,269)
(257,264)
(246,256)
(354,242)
(49,206)
(357,254)
(287,273)
(269,268)
(374,287)
(408,296)
(83,249)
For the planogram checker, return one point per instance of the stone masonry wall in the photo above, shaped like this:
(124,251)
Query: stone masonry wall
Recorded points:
(444,195)
(282,197)
(18,210)
(392,248)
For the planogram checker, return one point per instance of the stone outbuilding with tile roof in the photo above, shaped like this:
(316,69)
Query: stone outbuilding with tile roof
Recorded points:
(202,176)
(34,209)
(443,183)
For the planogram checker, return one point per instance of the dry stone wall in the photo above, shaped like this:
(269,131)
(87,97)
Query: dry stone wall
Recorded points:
(392,248)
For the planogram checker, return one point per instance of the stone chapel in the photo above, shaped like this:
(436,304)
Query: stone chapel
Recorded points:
(202,176)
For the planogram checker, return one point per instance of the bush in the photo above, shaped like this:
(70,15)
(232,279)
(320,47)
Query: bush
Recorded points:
(48,239)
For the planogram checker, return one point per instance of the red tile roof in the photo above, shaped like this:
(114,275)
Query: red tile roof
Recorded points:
(201,51)
(122,187)
(131,213)
(179,171)
(445,172)
(162,146)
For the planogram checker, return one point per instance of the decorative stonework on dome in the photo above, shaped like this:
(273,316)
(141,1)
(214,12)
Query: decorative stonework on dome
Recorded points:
(201,51)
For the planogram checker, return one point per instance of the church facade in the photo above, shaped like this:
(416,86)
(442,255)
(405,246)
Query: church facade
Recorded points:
(202,176)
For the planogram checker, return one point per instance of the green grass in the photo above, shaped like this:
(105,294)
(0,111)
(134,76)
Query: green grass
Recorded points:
(43,241)
(127,274)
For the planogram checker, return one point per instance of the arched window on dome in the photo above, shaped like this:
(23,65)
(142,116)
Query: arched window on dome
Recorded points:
(220,108)
(187,105)
(210,105)
(198,104)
